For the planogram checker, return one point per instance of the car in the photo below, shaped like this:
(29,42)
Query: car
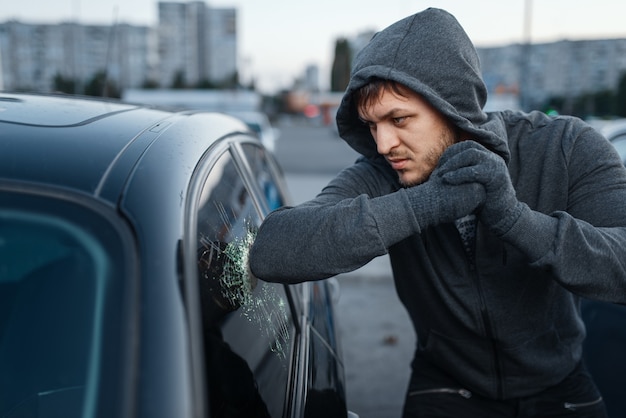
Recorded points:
(605,344)
(124,287)
(603,351)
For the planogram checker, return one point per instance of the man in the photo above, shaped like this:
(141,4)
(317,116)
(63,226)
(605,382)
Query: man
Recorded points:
(496,224)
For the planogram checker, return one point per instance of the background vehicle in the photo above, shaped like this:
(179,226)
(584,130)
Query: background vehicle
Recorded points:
(260,124)
(605,344)
(124,289)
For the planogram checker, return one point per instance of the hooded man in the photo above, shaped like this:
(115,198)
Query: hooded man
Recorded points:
(496,224)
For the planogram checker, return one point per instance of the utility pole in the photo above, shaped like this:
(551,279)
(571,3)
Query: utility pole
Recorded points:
(525,56)
(1,78)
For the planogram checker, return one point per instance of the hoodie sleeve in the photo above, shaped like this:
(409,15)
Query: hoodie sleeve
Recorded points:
(583,246)
(353,220)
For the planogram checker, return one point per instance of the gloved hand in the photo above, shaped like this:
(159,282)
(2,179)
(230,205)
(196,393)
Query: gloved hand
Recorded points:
(475,163)
(438,201)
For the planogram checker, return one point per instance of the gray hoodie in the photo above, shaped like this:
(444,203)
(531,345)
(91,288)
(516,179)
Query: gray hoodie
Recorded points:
(505,324)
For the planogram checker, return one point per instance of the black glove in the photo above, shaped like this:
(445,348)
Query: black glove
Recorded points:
(437,201)
(475,163)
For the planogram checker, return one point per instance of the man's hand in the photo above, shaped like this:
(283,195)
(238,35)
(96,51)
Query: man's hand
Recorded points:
(475,163)
(438,201)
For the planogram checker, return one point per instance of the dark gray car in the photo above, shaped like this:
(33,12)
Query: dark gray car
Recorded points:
(124,288)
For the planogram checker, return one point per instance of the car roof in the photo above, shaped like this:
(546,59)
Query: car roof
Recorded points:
(609,128)
(90,145)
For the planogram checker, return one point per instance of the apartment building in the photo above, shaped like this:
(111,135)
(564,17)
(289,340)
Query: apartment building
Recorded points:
(196,43)
(190,39)
(564,69)
(32,55)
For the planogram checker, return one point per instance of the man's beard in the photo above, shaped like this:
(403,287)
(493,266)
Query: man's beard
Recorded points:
(447,138)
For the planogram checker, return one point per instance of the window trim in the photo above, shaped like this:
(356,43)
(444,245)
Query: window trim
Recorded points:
(297,384)
(188,249)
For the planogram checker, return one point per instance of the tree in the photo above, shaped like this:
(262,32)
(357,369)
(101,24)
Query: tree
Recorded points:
(604,103)
(100,85)
(205,84)
(179,81)
(342,64)
(64,85)
(620,97)
(230,82)
(150,84)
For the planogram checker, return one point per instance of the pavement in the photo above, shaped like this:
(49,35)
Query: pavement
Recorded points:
(377,338)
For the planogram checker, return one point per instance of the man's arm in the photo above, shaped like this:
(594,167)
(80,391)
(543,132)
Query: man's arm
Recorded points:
(340,230)
(357,217)
(585,245)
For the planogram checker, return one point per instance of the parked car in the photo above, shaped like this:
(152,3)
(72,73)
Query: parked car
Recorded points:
(124,288)
(606,336)
(260,124)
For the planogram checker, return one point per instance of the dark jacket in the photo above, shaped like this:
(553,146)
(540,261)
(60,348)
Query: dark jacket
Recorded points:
(507,323)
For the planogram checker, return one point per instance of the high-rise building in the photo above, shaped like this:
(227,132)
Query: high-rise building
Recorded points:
(193,43)
(197,44)
(564,69)
(33,55)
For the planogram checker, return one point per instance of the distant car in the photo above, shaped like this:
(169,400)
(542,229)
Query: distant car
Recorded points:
(605,344)
(124,288)
(260,124)
(615,132)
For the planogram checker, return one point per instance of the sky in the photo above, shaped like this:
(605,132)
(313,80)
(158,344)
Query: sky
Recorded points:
(278,39)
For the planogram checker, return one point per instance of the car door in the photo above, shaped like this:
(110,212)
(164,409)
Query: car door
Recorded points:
(269,350)
(248,325)
(318,379)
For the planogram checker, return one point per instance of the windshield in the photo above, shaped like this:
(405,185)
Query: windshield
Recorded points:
(56,270)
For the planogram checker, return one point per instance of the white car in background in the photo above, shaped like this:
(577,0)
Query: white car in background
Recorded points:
(260,124)
(615,131)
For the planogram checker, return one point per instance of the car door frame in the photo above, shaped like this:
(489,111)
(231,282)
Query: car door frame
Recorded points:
(296,385)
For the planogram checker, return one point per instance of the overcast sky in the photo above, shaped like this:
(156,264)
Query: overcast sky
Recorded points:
(279,38)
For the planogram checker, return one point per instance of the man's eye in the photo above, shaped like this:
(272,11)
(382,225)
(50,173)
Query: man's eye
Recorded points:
(399,120)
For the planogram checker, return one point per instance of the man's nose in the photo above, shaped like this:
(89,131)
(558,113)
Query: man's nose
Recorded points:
(386,140)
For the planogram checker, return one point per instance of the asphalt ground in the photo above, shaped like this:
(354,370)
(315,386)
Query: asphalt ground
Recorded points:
(377,338)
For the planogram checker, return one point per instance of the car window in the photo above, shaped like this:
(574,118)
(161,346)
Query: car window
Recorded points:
(247,323)
(255,127)
(265,176)
(59,265)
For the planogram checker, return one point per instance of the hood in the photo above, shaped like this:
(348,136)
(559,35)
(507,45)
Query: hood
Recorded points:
(430,53)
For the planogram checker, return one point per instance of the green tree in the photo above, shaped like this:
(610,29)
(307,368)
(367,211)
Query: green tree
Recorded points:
(620,97)
(604,103)
(230,82)
(150,84)
(205,84)
(100,85)
(179,81)
(342,64)
(64,85)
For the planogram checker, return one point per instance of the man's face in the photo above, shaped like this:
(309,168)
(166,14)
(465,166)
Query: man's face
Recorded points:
(409,133)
